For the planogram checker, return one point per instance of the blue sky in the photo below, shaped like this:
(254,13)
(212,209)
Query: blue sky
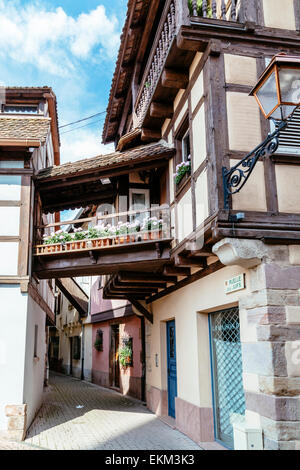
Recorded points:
(71,46)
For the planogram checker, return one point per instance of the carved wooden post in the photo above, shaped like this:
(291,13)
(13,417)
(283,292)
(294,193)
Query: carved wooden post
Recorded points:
(249,11)
(182,13)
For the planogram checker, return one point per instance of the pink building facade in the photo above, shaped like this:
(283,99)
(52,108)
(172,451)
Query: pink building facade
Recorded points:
(115,326)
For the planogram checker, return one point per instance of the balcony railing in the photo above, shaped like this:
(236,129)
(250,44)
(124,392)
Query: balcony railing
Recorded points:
(194,11)
(226,10)
(162,43)
(104,232)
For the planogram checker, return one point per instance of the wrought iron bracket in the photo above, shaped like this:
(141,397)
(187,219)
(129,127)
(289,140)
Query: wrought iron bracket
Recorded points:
(236,177)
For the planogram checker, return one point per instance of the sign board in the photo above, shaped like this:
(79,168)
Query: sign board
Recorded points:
(235,284)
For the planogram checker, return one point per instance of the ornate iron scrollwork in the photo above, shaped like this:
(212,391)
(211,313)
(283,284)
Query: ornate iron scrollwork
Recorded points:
(235,178)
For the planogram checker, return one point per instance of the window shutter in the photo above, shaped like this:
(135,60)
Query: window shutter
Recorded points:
(289,139)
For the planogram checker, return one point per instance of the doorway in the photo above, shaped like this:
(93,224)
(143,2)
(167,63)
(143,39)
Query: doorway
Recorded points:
(226,358)
(114,357)
(172,368)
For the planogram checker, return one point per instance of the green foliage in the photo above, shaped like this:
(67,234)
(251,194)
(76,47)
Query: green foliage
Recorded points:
(125,355)
(199,8)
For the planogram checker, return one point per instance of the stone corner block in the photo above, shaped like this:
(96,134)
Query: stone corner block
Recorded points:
(245,253)
(292,315)
(15,410)
(294,251)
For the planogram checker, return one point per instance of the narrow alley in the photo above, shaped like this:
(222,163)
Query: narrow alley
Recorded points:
(80,416)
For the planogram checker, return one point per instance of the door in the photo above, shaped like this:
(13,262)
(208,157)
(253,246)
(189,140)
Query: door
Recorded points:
(226,356)
(172,370)
(114,357)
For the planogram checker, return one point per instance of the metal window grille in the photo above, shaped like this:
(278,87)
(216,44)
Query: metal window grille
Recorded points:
(227,371)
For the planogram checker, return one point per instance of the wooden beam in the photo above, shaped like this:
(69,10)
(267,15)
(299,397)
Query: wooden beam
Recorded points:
(181,261)
(185,282)
(145,278)
(161,110)
(174,79)
(176,271)
(150,135)
(141,309)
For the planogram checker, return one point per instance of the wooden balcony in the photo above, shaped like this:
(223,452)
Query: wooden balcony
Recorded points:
(167,68)
(106,248)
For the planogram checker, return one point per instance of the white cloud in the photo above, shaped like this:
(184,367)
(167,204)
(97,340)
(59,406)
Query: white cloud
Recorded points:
(53,41)
(81,144)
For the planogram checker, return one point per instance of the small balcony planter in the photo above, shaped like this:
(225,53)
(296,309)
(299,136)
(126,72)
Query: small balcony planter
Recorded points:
(183,171)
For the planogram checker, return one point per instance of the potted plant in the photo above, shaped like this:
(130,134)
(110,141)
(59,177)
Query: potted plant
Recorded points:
(182,169)
(133,229)
(123,232)
(80,235)
(125,356)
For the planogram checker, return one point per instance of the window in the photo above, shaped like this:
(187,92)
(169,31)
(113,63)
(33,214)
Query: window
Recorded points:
(11,163)
(185,147)
(182,166)
(20,109)
(76,343)
(139,200)
(36,330)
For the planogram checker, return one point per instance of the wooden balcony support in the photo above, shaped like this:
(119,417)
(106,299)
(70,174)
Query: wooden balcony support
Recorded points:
(150,135)
(75,295)
(161,110)
(182,261)
(174,79)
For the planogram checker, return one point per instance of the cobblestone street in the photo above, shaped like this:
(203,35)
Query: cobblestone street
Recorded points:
(78,415)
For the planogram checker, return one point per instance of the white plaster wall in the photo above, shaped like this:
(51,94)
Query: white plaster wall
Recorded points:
(10,187)
(184,216)
(279,14)
(88,351)
(199,138)
(11,216)
(240,70)
(9,258)
(34,367)
(13,308)
(201,198)
(180,116)
(192,334)
(197,91)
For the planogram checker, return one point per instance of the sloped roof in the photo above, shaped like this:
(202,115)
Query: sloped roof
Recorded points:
(24,128)
(116,159)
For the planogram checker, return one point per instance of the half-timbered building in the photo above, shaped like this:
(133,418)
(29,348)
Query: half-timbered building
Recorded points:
(29,141)
(215,275)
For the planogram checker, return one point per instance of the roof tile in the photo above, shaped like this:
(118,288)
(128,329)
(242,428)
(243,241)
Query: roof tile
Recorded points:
(20,128)
(107,161)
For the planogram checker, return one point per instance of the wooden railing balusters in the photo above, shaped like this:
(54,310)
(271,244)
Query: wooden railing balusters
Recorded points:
(223,10)
(233,10)
(204,8)
(214,8)
(194,8)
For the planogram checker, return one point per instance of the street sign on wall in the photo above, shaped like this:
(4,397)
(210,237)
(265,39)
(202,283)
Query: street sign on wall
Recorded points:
(235,284)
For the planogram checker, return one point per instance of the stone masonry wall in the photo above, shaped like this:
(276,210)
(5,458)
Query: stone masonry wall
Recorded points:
(270,336)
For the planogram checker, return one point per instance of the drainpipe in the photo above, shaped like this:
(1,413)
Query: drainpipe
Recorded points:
(143,358)
(82,351)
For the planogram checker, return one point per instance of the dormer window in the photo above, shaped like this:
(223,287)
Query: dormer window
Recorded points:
(20,109)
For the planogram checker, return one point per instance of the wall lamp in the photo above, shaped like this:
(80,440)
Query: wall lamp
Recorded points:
(278,96)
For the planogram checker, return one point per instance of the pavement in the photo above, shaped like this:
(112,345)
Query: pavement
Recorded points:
(78,415)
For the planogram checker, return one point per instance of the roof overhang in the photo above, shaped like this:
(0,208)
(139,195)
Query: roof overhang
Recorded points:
(79,184)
